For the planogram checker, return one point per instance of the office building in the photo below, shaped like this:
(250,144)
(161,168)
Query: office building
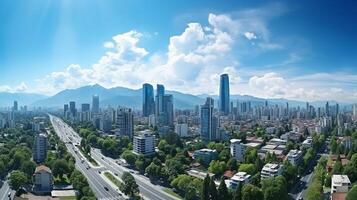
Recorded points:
(168,110)
(181,129)
(65,110)
(144,143)
(85,107)
(148,100)
(72,109)
(237,149)
(16,106)
(125,122)
(271,170)
(40,148)
(208,121)
(95,104)
(224,101)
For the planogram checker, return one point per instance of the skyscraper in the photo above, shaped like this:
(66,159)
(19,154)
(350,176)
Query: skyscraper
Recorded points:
(159,98)
(327,109)
(95,104)
(125,122)
(72,109)
(16,107)
(65,110)
(160,92)
(168,110)
(148,100)
(85,107)
(207,121)
(224,94)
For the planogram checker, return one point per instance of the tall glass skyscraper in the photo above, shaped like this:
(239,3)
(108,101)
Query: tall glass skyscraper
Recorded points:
(207,127)
(224,95)
(148,100)
(160,92)
(95,104)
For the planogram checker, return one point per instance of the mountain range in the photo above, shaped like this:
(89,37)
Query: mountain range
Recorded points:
(121,96)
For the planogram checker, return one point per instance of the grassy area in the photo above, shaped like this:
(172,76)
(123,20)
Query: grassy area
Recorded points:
(89,158)
(112,178)
(64,181)
(67,198)
(169,191)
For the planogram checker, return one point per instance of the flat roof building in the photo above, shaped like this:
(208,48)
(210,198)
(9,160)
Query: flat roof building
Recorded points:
(271,170)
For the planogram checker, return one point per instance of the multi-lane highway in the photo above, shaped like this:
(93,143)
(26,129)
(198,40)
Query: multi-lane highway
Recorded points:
(5,191)
(147,189)
(101,188)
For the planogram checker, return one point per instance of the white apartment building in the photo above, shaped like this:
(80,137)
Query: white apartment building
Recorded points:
(294,157)
(144,143)
(237,149)
(40,148)
(181,129)
(307,143)
(271,170)
(238,178)
(340,183)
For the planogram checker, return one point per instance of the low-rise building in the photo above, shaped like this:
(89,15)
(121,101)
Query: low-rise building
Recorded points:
(307,143)
(294,157)
(43,182)
(237,149)
(144,143)
(205,155)
(340,184)
(271,170)
(238,178)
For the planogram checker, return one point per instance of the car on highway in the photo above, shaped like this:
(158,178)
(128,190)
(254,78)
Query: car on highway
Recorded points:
(106,188)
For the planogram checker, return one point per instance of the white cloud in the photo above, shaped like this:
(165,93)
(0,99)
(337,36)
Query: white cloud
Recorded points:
(22,87)
(193,62)
(108,45)
(250,35)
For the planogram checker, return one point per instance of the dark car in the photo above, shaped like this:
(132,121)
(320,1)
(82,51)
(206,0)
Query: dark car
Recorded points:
(106,188)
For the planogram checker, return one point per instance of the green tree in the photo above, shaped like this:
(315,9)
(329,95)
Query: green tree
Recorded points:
(251,192)
(337,168)
(352,194)
(249,168)
(28,167)
(17,180)
(222,193)
(238,192)
(205,188)
(217,167)
(60,167)
(232,164)
(129,186)
(153,171)
(212,190)
(129,156)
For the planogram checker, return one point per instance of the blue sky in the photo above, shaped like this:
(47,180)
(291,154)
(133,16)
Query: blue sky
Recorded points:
(278,49)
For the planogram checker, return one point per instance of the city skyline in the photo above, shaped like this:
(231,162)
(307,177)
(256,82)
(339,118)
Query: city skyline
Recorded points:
(267,54)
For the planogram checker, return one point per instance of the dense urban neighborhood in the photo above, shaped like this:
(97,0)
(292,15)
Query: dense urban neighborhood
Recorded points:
(220,150)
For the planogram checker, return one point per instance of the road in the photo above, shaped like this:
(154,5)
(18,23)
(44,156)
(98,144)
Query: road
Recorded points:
(147,189)
(4,191)
(300,188)
(101,189)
